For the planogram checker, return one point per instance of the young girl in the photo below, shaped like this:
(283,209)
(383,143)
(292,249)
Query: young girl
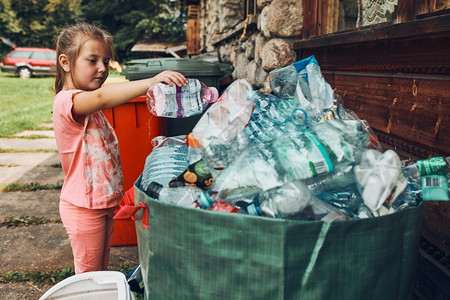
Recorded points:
(87,145)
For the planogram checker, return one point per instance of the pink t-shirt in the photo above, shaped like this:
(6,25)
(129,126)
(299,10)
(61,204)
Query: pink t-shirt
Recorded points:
(89,156)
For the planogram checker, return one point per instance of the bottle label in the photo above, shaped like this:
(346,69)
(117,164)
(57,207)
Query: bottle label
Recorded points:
(434,165)
(166,102)
(304,158)
(322,163)
(434,188)
(172,101)
(189,99)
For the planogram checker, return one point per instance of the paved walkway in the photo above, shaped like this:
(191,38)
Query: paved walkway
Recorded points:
(43,247)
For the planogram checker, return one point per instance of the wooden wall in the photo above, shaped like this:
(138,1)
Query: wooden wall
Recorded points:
(397,77)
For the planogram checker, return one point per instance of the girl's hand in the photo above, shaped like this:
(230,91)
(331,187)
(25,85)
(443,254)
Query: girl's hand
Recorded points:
(171,77)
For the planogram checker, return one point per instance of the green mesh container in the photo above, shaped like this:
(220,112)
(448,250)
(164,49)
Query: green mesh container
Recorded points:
(197,254)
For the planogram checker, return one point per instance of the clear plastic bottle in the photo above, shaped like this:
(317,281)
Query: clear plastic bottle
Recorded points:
(167,160)
(171,101)
(270,118)
(429,178)
(301,157)
(304,83)
(294,201)
(182,196)
(219,132)
(349,202)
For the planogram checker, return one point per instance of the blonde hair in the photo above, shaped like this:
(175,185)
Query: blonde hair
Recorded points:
(69,42)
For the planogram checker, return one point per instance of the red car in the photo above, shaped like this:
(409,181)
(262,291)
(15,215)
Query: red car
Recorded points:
(28,62)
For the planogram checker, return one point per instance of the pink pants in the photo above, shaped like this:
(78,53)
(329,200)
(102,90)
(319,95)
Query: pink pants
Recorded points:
(90,234)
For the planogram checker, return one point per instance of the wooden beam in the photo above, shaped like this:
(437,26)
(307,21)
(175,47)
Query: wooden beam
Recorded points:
(310,18)
(428,26)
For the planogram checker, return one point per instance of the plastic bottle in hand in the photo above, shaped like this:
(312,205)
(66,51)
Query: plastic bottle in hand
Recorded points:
(294,201)
(182,196)
(172,101)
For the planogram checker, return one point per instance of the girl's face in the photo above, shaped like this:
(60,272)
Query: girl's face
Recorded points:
(90,69)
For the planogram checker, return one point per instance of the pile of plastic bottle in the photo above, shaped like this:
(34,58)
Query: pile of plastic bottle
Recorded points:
(296,153)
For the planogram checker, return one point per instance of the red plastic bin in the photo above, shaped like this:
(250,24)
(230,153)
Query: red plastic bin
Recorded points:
(135,127)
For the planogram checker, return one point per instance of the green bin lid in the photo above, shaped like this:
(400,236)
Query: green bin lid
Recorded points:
(143,68)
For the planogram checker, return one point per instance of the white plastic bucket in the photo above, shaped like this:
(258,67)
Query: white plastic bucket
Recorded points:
(99,285)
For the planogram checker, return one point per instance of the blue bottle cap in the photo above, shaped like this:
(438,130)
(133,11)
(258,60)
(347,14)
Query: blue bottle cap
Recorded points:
(204,200)
(253,210)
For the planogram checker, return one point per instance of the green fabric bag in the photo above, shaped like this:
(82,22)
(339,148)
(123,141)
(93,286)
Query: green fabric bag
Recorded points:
(196,254)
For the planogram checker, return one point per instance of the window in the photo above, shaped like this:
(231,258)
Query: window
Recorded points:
(21,54)
(51,55)
(322,17)
(39,55)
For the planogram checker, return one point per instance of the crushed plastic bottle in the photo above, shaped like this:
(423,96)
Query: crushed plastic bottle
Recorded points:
(172,101)
(429,178)
(301,157)
(253,168)
(331,146)
(182,196)
(271,118)
(304,83)
(293,201)
(349,202)
(219,132)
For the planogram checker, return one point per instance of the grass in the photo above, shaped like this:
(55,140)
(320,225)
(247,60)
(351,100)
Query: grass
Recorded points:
(15,187)
(26,103)
(26,221)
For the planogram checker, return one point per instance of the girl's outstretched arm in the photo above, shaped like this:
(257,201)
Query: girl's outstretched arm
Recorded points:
(115,94)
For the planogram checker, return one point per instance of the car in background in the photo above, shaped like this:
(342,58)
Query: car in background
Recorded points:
(29,62)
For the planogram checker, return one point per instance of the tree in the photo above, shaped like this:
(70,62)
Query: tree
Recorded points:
(60,13)
(36,22)
(8,24)
(133,20)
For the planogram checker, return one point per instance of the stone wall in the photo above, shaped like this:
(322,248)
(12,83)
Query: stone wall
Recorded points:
(265,47)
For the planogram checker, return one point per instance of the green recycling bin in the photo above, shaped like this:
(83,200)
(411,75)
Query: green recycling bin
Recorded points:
(210,73)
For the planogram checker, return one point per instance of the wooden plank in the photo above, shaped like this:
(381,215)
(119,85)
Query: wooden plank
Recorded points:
(193,36)
(423,7)
(310,19)
(406,10)
(416,111)
(421,55)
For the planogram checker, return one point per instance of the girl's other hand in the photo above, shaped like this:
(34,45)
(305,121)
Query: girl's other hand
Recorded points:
(171,77)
